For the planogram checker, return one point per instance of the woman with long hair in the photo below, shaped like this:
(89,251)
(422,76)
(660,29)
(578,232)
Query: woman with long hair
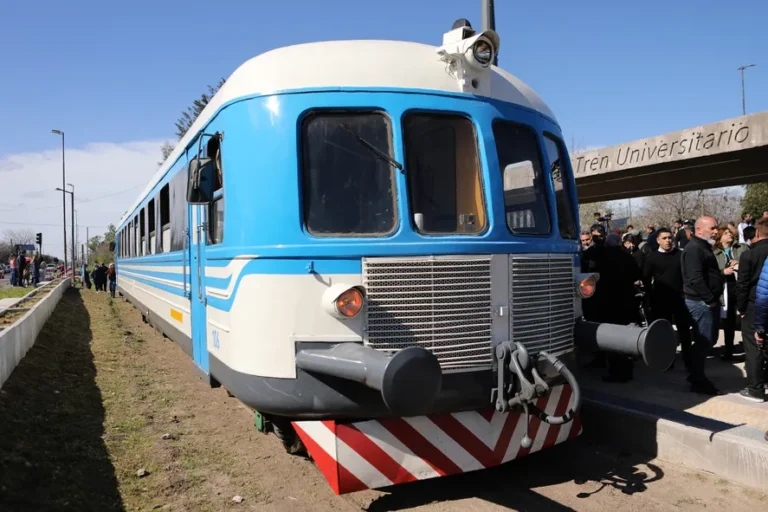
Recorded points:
(727,252)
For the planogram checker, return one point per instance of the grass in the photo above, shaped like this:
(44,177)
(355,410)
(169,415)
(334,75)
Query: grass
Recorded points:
(13,292)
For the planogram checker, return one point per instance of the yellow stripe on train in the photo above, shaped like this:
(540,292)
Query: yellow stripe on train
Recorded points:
(176,315)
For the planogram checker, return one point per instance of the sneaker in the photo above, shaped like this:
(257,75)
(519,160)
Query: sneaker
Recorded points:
(746,394)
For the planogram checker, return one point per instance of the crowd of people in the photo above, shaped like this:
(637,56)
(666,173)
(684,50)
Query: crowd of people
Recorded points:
(699,276)
(25,270)
(102,276)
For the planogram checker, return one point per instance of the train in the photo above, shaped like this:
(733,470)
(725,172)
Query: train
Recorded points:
(374,245)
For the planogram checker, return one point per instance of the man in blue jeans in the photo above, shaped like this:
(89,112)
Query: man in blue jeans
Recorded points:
(702,286)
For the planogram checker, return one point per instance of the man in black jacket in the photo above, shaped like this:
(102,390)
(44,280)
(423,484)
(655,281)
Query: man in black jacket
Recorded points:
(663,278)
(702,286)
(750,264)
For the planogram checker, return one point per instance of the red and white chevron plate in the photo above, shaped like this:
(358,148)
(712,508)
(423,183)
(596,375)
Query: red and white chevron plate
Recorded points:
(386,451)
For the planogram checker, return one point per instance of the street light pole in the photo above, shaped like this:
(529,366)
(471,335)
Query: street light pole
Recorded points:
(743,99)
(73,231)
(63,195)
(77,232)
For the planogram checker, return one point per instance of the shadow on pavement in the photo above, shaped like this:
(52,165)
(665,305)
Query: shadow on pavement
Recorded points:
(513,485)
(52,456)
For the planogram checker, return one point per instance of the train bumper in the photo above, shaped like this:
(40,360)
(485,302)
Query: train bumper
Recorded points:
(381,452)
(409,380)
(656,344)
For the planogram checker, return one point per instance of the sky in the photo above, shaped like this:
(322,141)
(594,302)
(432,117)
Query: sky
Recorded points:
(115,76)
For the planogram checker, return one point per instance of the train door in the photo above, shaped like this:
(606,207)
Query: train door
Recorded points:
(197,242)
(198,299)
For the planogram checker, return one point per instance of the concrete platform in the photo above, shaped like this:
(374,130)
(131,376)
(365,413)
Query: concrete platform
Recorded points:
(658,415)
(8,303)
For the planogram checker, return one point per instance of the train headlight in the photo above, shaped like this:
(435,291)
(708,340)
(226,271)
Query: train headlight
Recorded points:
(587,284)
(344,301)
(350,303)
(482,52)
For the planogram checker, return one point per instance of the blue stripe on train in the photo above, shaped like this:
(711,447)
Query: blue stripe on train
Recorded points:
(255,266)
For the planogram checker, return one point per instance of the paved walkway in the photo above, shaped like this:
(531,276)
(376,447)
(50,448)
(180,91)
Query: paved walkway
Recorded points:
(8,303)
(670,389)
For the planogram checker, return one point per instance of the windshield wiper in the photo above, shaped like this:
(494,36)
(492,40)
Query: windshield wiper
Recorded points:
(373,149)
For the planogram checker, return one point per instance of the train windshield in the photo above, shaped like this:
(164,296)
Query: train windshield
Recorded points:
(443,172)
(566,220)
(348,184)
(525,195)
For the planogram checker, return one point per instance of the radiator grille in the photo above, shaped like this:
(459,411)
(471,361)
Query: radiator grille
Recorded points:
(441,304)
(541,302)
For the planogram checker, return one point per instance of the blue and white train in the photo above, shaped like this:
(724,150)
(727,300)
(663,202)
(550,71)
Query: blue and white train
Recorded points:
(362,230)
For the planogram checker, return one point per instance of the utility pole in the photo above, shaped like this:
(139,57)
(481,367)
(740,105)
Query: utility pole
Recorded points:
(87,241)
(743,98)
(63,194)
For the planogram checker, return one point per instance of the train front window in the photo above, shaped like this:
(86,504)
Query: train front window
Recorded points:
(348,174)
(566,220)
(443,171)
(525,195)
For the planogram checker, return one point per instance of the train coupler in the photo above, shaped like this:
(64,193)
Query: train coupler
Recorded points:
(519,385)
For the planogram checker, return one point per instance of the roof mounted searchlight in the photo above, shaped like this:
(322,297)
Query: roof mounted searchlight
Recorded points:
(469,56)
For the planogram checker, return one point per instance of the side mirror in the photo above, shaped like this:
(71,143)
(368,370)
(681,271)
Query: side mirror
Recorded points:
(201,181)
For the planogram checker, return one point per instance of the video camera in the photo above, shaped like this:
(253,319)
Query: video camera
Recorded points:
(606,218)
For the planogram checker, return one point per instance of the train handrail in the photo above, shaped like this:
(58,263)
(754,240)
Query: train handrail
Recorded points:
(184,260)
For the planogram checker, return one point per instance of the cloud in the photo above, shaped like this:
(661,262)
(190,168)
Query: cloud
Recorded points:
(107,177)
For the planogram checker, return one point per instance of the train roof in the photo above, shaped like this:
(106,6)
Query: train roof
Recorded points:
(345,64)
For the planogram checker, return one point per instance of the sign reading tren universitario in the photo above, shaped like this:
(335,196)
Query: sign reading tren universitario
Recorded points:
(732,135)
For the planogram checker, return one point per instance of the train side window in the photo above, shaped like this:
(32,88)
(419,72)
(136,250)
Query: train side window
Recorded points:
(178,209)
(445,188)
(525,195)
(216,207)
(216,221)
(151,221)
(348,177)
(135,246)
(165,218)
(142,232)
(557,157)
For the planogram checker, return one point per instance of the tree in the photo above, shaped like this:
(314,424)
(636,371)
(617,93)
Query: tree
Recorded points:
(663,210)
(188,117)
(166,149)
(755,199)
(19,236)
(98,247)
